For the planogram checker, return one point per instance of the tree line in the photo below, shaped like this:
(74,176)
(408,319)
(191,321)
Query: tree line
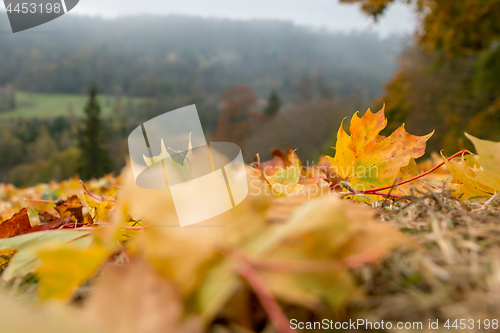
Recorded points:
(449,78)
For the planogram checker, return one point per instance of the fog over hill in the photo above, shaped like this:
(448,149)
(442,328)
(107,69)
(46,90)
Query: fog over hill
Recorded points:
(180,55)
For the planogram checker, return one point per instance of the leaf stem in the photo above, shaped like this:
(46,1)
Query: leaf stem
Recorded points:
(372,193)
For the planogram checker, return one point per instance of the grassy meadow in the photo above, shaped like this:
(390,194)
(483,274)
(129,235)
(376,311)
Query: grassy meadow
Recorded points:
(29,105)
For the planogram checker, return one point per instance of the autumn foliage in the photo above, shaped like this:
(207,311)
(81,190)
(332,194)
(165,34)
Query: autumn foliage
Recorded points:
(291,247)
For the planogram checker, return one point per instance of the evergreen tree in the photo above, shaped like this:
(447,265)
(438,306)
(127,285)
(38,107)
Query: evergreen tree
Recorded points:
(273,104)
(94,160)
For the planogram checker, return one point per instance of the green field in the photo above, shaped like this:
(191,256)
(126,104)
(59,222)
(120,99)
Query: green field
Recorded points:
(30,105)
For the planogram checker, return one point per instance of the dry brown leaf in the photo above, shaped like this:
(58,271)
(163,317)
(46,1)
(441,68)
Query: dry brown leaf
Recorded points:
(70,207)
(46,217)
(17,225)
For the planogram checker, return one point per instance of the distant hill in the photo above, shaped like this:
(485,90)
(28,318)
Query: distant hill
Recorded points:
(175,55)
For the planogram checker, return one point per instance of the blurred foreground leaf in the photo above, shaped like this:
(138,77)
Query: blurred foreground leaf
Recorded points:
(65,268)
(26,259)
(135,299)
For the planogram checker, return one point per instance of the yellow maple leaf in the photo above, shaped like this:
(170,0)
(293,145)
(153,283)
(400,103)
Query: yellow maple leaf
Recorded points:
(489,159)
(463,183)
(366,159)
(99,210)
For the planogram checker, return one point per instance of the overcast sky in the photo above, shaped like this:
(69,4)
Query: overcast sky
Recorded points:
(327,14)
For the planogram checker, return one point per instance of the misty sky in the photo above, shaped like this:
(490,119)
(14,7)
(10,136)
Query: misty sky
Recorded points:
(327,14)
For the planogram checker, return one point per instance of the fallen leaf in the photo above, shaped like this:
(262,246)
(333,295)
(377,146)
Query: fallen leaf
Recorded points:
(64,268)
(285,181)
(70,207)
(26,259)
(489,159)
(5,257)
(17,225)
(464,174)
(311,249)
(278,161)
(330,174)
(46,217)
(321,233)
(366,159)
(99,211)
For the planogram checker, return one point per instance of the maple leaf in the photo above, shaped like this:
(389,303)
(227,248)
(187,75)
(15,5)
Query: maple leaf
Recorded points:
(285,181)
(463,182)
(20,224)
(71,207)
(489,159)
(98,211)
(366,159)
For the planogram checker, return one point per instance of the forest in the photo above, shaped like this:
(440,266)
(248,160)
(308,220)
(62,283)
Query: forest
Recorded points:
(183,56)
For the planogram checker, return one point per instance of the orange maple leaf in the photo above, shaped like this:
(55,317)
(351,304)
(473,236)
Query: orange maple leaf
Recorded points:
(366,159)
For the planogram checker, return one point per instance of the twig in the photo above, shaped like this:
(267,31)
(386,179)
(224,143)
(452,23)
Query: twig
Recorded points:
(354,192)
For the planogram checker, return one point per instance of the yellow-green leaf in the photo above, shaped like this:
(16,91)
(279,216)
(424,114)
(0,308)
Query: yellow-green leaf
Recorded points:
(286,181)
(63,269)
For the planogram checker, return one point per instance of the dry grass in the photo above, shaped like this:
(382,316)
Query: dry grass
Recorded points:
(454,272)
